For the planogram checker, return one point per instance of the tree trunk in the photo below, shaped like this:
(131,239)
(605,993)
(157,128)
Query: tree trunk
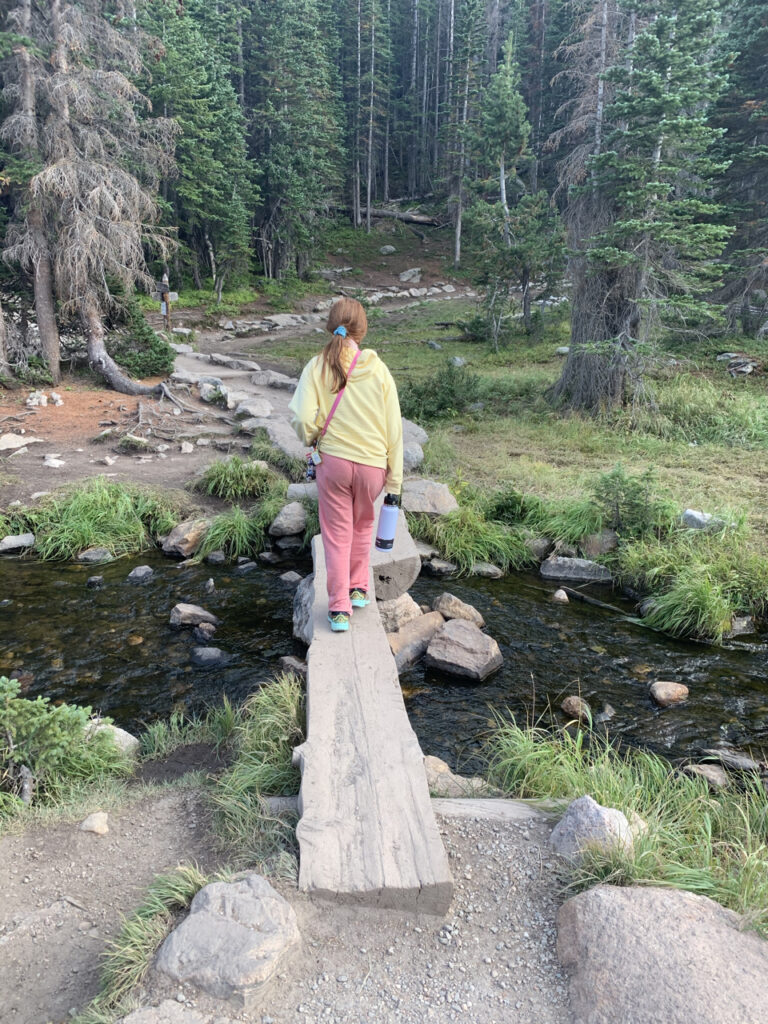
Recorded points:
(45,308)
(369,148)
(98,357)
(525,282)
(4,367)
(503,195)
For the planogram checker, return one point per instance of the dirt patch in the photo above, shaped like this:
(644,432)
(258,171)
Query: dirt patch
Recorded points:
(64,891)
(194,757)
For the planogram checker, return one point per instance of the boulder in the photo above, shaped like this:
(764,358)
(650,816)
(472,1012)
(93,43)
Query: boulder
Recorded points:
(93,556)
(641,954)
(577,708)
(184,539)
(130,745)
(141,574)
(411,641)
(694,519)
(443,783)
(17,542)
(273,379)
(582,570)
(172,1012)
(290,545)
(289,663)
(665,693)
(253,407)
(216,558)
(596,544)
(461,649)
(398,612)
(716,776)
(413,432)
(411,276)
(303,600)
(487,570)
(207,657)
(560,597)
(426,551)
(387,250)
(451,607)
(191,615)
(734,759)
(205,632)
(428,496)
(539,547)
(10,442)
(291,578)
(413,456)
(439,567)
(290,520)
(587,824)
(233,941)
(308,490)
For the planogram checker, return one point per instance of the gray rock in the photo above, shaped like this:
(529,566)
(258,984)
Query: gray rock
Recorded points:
(412,276)
(234,940)
(291,578)
(172,1012)
(577,708)
(244,568)
(205,632)
(487,570)
(92,556)
(716,776)
(233,362)
(123,740)
(141,574)
(420,495)
(413,432)
(435,345)
(273,379)
(438,567)
(184,539)
(426,551)
(461,649)
(733,759)
(558,568)
(562,350)
(413,456)
(308,491)
(191,615)
(596,544)
(17,542)
(181,348)
(458,361)
(606,714)
(216,558)
(207,657)
(211,392)
(290,520)
(270,558)
(387,250)
(398,612)
(451,607)
(183,332)
(417,293)
(303,600)
(587,824)
(666,693)
(443,783)
(290,545)
(94,582)
(741,625)
(644,955)
(289,663)
(411,641)
(693,519)
(253,407)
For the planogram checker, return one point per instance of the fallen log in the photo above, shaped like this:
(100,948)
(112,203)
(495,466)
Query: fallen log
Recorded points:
(408,218)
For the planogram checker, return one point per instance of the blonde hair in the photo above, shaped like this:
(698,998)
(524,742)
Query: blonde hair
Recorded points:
(349,314)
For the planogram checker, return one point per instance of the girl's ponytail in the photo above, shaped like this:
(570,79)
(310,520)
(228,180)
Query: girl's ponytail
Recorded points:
(346,319)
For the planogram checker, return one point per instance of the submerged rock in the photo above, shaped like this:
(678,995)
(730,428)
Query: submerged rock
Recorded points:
(141,574)
(666,693)
(557,567)
(191,615)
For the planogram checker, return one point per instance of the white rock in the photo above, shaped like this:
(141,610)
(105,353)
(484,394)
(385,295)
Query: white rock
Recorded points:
(96,822)
(186,448)
(8,442)
(17,542)
(398,612)
(587,824)
(429,496)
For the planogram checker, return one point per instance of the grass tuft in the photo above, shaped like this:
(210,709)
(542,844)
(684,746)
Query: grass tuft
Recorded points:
(465,537)
(263,449)
(235,478)
(715,844)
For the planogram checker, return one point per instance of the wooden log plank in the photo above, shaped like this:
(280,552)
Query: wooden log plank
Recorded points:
(367,833)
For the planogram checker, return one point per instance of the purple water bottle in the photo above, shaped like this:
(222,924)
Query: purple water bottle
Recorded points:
(385,533)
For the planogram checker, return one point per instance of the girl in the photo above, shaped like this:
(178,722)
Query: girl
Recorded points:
(360,443)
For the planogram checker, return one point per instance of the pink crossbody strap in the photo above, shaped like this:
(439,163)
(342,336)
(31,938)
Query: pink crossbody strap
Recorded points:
(338,396)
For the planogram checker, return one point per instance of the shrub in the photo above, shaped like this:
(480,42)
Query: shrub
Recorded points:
(43,747)
(141,351)
(629,504)
(464,537)
(449,391)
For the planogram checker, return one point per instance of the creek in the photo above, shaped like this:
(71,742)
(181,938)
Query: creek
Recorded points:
(113,649)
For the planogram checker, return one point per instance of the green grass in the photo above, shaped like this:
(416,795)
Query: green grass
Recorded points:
(272,723)
(243,532)
(712,844)
(262,448)
(123,518)
(216,727)
(235,478)
(465,537)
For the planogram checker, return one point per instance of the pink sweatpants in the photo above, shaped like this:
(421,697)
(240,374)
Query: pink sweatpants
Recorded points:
(347,491)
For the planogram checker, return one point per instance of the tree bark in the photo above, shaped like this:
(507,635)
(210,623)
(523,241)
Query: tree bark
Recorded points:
(45,309)
(4,367)
(99,359)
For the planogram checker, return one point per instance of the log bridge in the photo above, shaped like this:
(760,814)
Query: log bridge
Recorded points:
(367,833)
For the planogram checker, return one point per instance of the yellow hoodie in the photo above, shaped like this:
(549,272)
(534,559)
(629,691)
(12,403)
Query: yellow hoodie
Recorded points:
(366,427)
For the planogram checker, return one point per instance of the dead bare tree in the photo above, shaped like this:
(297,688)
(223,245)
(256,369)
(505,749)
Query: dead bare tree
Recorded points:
(97,216)
(3,353)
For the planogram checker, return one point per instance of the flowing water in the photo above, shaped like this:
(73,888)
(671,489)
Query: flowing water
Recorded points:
(113,648)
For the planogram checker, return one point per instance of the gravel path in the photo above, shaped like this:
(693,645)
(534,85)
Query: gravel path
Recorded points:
(491,961)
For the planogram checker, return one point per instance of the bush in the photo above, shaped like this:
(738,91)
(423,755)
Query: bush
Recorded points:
(43,747)
(629,505)
(236,478)
(464,537)
(141,351)
(448,392)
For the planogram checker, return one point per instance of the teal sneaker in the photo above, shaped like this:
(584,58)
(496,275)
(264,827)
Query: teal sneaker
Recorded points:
(339,621)
(359,598)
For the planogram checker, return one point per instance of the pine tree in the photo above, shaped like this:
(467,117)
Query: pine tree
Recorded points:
(643,228)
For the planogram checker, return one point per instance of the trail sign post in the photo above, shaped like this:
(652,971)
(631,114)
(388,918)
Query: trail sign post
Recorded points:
(165,297)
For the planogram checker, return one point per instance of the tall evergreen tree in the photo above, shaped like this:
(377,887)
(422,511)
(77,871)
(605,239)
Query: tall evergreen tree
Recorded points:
(643,228)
